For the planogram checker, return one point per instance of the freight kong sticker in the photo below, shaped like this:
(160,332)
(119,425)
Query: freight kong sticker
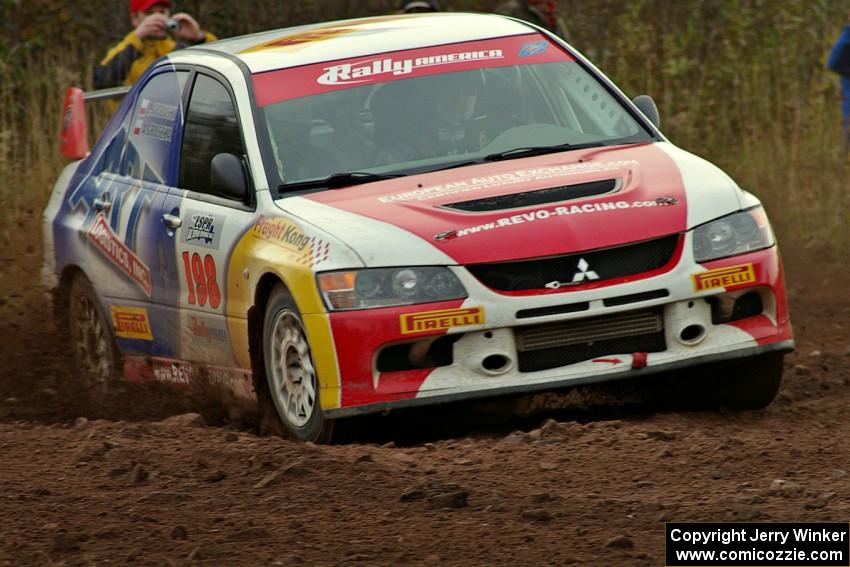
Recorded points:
(441,320)
(724,277)
(112,247)
(281,232)
(309,250)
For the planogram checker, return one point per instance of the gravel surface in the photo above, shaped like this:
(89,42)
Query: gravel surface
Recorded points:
(151,478)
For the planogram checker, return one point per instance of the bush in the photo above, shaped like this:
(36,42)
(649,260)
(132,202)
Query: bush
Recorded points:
(742,82)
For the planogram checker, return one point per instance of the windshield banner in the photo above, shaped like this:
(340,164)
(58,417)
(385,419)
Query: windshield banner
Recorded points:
(286,84)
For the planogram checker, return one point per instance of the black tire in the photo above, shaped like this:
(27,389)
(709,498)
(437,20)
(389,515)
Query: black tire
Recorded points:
(754,383)
(291,390)
(746,385)
(95,353)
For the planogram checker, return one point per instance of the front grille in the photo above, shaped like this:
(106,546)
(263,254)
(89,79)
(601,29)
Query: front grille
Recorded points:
(540,347)
(553,310)
(635,297)
(605,264)
(585,305)
(538,197)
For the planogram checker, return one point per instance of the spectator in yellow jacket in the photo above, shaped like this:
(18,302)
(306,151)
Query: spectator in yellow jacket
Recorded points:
(154,36)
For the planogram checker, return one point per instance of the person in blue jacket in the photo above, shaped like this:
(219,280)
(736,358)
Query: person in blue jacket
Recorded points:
(839,61)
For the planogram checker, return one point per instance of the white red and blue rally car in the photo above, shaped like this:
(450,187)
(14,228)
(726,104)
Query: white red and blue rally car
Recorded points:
(355,216)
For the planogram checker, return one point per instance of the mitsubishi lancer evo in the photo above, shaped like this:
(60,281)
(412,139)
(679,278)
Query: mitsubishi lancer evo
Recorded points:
(357,216)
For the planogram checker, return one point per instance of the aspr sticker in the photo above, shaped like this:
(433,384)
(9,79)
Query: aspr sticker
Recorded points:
(203,229)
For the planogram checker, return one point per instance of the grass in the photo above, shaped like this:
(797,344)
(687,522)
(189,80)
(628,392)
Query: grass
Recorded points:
(742,83)
(29,139)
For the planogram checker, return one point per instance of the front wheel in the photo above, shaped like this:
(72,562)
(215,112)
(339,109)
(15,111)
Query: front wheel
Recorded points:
(754,383)
(291,376)
(92,343)
(743,385)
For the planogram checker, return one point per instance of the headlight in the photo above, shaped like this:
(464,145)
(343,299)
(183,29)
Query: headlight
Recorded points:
(386,287)
(735,234)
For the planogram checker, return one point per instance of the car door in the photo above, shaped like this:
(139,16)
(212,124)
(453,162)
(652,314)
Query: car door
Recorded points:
(127,190)
(200,229)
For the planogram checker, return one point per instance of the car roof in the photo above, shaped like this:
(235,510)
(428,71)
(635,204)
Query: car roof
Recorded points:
(329,41)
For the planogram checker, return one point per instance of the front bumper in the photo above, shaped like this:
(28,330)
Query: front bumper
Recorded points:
(549,385)
(693,333)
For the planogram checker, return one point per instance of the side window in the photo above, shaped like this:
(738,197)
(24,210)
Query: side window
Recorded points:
(212,127)
(154,127)
(110,160)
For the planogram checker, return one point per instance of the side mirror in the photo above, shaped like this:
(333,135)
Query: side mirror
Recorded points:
(227,178)
(646,105)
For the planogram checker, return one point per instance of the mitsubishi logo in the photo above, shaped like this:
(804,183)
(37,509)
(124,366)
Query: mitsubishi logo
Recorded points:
(584,273)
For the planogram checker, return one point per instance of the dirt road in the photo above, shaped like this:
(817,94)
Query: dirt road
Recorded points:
(589,485)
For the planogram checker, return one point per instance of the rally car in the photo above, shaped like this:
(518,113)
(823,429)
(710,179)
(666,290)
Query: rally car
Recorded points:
(357,216)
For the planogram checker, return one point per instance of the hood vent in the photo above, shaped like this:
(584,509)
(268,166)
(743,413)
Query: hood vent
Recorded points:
(538,197)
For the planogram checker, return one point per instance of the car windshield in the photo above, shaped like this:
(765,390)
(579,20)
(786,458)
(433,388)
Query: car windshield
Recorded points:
(434,108)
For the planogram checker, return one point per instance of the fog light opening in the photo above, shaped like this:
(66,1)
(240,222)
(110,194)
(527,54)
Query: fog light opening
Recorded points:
(431,352)
(495,363)
(692,334)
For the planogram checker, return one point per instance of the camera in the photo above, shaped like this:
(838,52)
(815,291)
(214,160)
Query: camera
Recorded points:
(172,25)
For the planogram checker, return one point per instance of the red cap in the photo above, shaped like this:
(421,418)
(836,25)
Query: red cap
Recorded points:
(143,5)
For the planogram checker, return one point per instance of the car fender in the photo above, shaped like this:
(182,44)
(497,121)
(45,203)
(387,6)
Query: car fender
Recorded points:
(377,243)
(710,192)
(293,251)
(50,271)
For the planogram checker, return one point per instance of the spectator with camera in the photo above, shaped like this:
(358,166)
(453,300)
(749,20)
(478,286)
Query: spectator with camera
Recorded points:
(156,33)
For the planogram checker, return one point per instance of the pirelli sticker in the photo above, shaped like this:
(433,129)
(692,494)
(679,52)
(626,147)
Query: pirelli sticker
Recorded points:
(428,321)
(724,277)
(131,322)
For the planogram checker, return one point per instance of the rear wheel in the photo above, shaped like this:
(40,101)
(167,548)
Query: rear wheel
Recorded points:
(92,343)
(291,377)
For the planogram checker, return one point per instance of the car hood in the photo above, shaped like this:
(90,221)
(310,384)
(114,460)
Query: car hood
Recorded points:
(524,208)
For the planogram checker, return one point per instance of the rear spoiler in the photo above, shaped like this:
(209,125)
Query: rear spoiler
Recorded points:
(73,138)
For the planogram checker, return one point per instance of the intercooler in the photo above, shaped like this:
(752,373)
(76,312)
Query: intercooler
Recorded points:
(550,345)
